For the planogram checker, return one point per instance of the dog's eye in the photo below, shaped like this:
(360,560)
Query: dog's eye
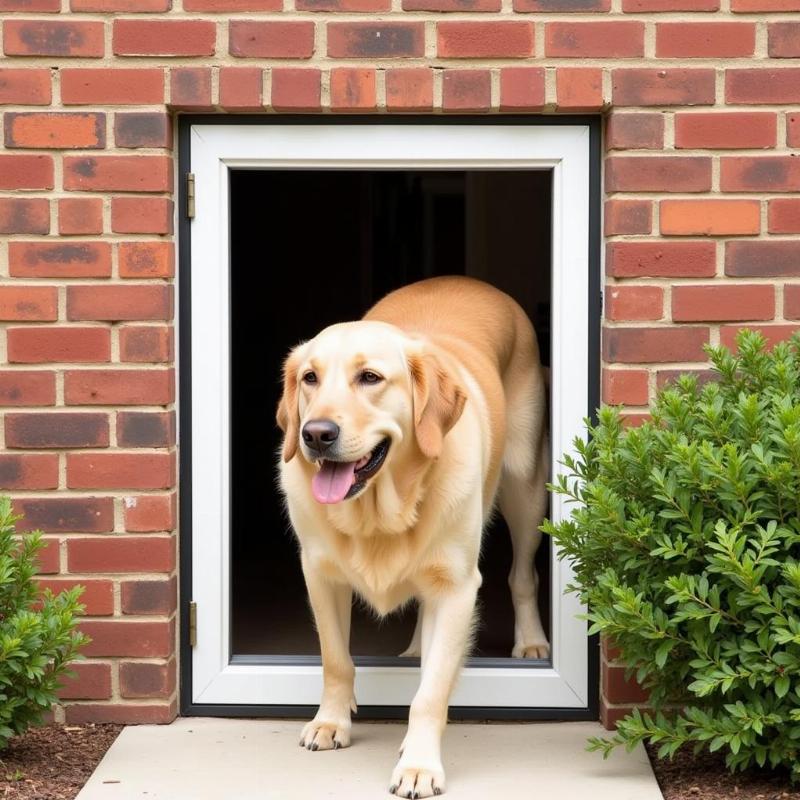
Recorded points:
(310,378)
(367,376)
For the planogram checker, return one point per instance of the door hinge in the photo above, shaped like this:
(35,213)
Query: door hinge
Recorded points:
(190,195)
(192,624)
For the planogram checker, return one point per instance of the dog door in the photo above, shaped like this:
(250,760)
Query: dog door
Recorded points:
(300,226)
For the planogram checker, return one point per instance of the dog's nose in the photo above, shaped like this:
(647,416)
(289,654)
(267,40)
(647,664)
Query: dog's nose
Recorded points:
(320,434)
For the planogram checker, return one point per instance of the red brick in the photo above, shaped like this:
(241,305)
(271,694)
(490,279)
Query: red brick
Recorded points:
(760,174)
(28,303)
(120,713)
(25,87)
(466,90)
(658,174)
(522,89)
(163,37)
(117,303)
(710,217)
(448,5)
(118,173)
(356,6)
(80,216)
(145,429)
(120,554)
(150,344)
(665,376)
(562,6)
(141,215)
(635,420)
(122,387)
(224,6)
(375,39)
(579,89)
(762,86)
(63,430)
(30,6)
(149,514)
(120,6)
(663,87)
(409,89)
(628,217)
(190,88)
(58,344)
(149,597)
(20,215)
(721,303)
(97,596)
(791,301)
(298,89)
(482,40)
(47,559)
(642,345)
(143,679)
(240,88)
(119,470)
(618,690)
(625,387)
(594,39)
(66,514)
(28,388)
(793,130)
(750,6)
(772,333)
(784,39)
(29,472)
(126,637)
(146,259)
(661,259)
(59,259)
(112,86)
(726,131)
(649,6)
(637,131)
(53,38)
(55,131)
(352,89)
(91,681)
(784,215)
(763,259)
(26,172)
(705,39)
(634,302)
(249,39)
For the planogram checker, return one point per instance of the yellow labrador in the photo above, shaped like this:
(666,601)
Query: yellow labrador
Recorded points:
(401,430)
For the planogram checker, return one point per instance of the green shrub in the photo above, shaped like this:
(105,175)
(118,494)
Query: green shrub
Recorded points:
(37,632)
(686,551)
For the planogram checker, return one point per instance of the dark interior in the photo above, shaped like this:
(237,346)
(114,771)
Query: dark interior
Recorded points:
(310,248)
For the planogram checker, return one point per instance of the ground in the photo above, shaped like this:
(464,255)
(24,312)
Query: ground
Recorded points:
(53,762)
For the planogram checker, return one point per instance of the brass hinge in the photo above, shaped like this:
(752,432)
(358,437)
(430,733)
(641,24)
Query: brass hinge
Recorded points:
(192,624)
(190,195)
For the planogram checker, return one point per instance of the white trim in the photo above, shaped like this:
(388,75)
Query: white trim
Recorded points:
(217,148)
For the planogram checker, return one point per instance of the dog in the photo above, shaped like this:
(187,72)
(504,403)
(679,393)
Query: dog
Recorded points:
(401,431)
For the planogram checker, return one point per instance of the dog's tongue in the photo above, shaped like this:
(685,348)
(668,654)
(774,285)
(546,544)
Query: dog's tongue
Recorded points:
(333,481)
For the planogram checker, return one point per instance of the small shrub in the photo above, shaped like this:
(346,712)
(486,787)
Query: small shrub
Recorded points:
(686,549)
(37,632)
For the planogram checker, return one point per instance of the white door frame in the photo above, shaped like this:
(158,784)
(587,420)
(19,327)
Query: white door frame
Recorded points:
(217,148)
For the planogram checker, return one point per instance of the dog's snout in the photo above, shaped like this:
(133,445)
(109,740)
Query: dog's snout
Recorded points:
(320,434)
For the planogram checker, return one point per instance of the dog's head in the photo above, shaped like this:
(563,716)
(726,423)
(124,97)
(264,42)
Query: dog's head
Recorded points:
(359,394)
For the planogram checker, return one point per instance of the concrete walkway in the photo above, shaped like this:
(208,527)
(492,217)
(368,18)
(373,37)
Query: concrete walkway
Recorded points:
(216,759)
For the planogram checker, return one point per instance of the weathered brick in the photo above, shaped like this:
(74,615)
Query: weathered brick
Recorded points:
(59,259)
(637,131)
(66,514)
(28,472)
(791,301)
(628,217)
(223,6)
(120,6)
(145,429)
(762,86)
(118,173)
(149,597)
(120,554)
(117,303)
(57,38)
(579,89)
(784,215)
(772,333)
(240,88)
(149,513)
(375,39)
(649,6)
(146,259)
(301,89)
(409,89)
(705,39)
(142,129)
(25,87)
(97,596)
(480,40)
(119,387)
(141,215)
(58,344)
(759,174)
(80,216)
(190,88)
(352,89)
(710,217)
(28,388)
(594,39)
(120,470)
(150,344)
(23,215)
(63,430)
(784,39)
(658,174)
(663,87)
(127,713)
(562,6)
(726,131)
(163,37)
(90,681)
(634,302)
(144,679)
(126,637)
(466,90)
(625,387)
(619,690)
(28,303)
(661,259)
(445,5)
(763,259)
(26,172)
(112,86)
(522,89)
(659,345)
(723,303)
(249,39)
(751,6)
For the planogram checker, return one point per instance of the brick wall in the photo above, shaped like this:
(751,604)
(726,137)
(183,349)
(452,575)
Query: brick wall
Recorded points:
(700,98)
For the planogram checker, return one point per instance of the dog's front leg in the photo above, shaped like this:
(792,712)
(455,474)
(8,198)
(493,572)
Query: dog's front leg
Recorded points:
(331,603)
(446,629)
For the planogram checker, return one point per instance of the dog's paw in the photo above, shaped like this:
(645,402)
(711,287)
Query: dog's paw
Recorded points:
(323,735)
(534,650)
(417,781)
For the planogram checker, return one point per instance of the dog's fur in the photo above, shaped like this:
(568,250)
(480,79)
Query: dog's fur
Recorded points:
(462,401)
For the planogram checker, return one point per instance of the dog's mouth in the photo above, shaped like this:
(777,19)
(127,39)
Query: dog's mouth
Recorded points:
(341,480)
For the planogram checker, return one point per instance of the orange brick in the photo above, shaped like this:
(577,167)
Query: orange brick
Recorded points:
(726,131)
(28,303)
(634,302)
(80,216)
(58,344)
(579,89)
(352,89)
(409,89)
(146,260)
(141,215)
(710,217)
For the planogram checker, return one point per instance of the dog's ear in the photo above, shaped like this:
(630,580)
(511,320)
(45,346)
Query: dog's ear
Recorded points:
(288,414)
(438,401)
